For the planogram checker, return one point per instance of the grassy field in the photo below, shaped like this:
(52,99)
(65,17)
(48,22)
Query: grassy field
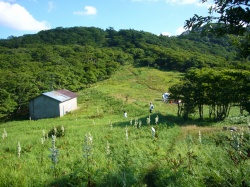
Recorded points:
(99,147)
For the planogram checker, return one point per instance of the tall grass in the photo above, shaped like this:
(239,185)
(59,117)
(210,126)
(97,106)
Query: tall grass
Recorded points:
(123,151)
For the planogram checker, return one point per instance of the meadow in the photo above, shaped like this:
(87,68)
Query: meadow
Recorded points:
(96,146)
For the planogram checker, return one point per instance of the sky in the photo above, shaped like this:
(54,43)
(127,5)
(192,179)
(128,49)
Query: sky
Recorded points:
(166,17)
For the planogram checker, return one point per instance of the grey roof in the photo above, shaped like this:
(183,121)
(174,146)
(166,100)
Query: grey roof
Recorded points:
(60,95)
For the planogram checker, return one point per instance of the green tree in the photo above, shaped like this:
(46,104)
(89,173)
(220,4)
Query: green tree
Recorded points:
(177,95)
(7,103)
(231,17)
(218,89)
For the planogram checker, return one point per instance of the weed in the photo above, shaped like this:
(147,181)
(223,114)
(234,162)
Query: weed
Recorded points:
(54,156)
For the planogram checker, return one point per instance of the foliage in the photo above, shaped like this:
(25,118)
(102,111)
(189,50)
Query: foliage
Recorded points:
(233,18)
(77,58)
(218,89)
(57,131)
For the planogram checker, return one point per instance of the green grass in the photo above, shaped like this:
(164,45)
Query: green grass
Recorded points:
(175,157)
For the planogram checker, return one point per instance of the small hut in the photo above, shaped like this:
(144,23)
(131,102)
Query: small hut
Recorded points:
(52,104)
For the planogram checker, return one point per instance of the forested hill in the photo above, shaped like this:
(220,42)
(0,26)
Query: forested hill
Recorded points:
(177,53)
(73,58)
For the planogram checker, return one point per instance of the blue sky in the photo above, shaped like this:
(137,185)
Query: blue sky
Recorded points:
(167,17)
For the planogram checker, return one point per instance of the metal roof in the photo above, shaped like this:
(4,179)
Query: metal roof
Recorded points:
(67,93)
(58,96)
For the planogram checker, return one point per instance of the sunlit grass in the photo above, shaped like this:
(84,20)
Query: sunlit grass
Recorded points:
(133,157)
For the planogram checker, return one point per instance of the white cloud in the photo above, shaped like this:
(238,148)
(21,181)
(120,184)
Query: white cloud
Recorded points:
(198,3)
(171,1)
(88,10)
(186,2)
(144,0)
(51,6)
(12,1)
(183,1)
(179,31)
(17,17)
(207,4)
(166,34)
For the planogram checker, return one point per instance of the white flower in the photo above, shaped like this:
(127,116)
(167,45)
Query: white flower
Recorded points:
(42,140)
(88,145)
(5,133)
(200,136)
(153,132)
(62,128)
(108,148)
(126,134)
(19,149)
(55,130)
(53,141)
(156,119)
(131,122)
(136,123)
(140,123)
(54,151)
(148,120)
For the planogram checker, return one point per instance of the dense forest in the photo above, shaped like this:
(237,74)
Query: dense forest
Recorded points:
(74,58)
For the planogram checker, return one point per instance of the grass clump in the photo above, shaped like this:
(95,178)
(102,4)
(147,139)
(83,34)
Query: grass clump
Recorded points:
(124,151)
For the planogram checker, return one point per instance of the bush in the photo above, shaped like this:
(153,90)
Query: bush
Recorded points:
(57,131)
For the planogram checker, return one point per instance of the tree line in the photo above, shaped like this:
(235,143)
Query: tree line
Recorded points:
(74,58)
(218,90)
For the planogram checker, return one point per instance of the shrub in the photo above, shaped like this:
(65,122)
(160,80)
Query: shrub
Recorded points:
(57,131)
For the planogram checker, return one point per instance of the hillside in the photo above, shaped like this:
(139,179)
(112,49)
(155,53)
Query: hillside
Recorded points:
(78,57)
(99,147)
